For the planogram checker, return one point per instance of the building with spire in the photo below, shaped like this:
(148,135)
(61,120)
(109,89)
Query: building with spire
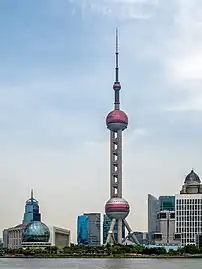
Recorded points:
(188,206)
(31,210)
(34,233)
(117,208)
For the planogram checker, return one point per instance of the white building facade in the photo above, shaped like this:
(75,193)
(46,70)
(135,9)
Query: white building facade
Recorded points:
(59,237)
(188,206)
(189,217)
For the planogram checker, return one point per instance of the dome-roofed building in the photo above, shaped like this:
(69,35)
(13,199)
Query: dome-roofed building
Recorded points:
(192,178)
(188,206)
(192,184)
(36,231)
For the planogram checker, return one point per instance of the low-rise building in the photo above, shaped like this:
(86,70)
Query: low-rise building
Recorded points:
(13,238)
(59,237)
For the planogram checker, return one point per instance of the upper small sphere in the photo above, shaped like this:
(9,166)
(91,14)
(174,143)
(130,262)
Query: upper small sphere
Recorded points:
(117,120)
(36,231)
(117,86)
(192,178)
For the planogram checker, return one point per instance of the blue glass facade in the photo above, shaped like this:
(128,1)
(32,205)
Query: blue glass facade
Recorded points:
(82,230)
(106,227)
(31,211)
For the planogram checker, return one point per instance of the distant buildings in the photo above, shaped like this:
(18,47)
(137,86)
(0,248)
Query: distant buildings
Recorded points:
(142,237)
(92,229)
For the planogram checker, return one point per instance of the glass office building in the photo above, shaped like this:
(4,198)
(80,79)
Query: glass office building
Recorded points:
(94,228)
(82,230)
(167,203)
(31,210)
(106,227)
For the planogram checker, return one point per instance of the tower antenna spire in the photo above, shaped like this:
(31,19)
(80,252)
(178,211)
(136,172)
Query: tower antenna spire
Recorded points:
(32,194)
(117,85)
(117,56)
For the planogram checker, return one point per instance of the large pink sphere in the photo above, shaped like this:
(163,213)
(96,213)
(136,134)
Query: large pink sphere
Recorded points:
(117,208)
(117,120)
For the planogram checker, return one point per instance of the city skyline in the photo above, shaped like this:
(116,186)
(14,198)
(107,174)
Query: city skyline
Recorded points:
(55,90)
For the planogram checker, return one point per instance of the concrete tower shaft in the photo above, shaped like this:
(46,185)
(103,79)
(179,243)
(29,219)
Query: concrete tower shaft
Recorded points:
(116,164)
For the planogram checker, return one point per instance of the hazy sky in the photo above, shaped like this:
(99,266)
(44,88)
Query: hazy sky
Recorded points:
(56,77)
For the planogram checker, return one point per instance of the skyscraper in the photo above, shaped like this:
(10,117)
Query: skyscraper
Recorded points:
(89,229)
(117,208)
(94,229)
(31,210)
(153,209)
(82,230)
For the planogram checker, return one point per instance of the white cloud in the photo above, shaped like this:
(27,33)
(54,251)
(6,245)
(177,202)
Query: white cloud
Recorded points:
(182,55)
(121,9)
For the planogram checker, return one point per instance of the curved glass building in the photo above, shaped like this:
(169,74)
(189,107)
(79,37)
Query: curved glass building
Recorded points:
(31,210)
(36,231)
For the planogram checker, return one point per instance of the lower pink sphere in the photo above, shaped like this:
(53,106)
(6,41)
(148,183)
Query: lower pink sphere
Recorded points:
(117,208)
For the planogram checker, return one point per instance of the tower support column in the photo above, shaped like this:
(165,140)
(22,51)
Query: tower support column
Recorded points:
(119,231)
(130,233)
(110,235)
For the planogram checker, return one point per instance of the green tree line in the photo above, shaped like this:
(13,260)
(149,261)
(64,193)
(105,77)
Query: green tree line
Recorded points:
(115,250)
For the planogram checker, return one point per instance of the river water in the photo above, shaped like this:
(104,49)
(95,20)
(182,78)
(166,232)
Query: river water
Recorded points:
(100,263)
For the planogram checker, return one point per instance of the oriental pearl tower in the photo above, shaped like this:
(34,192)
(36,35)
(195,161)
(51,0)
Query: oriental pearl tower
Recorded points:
(117,208)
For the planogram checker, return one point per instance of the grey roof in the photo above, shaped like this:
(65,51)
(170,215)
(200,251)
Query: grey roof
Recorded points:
(192,177)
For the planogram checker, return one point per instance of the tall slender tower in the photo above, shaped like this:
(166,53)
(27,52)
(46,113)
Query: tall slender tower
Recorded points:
(117,208)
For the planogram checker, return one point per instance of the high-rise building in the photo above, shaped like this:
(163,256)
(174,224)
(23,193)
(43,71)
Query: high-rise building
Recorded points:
(153,209)
(31,210)
(82,230)
(94,229)
(117,208)
(161,221)
(106,226)
(188,205)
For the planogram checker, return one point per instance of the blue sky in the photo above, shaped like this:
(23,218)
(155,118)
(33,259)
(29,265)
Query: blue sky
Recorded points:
(56,77)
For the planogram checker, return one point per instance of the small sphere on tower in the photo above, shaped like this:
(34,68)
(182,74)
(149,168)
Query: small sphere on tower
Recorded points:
(117,86)
(117,208)
(117,120)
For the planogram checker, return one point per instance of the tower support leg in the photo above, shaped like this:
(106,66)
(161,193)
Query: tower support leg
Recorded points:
(119,231)
(110,236)
(130,233)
